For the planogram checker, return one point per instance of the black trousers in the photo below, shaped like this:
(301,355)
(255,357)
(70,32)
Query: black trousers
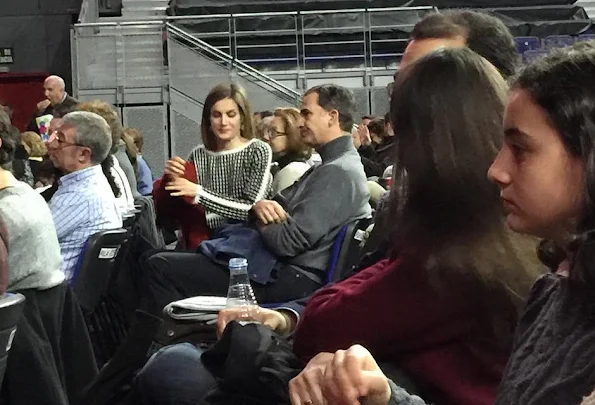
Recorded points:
(171,276)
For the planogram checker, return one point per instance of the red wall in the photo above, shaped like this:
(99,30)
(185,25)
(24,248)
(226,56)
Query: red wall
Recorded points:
(21,92)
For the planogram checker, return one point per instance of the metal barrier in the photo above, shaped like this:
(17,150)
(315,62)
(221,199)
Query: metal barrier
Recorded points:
(158,72)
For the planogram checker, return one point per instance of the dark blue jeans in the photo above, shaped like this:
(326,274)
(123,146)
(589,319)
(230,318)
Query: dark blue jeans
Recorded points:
(174,376)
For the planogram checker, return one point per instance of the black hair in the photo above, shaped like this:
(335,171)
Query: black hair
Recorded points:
(485,34)
(563,85)
(334,97)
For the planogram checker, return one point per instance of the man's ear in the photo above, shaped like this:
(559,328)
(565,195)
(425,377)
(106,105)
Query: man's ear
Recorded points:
(334,114)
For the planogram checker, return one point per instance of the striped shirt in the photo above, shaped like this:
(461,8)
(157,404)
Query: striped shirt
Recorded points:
(83,205)
(232,181)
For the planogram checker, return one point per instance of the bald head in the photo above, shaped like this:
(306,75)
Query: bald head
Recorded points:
(54,89)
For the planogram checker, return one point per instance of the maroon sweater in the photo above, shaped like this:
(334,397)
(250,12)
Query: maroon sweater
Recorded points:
(392,310)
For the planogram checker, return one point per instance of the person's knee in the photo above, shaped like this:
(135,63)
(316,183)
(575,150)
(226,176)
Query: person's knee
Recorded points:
(168,368)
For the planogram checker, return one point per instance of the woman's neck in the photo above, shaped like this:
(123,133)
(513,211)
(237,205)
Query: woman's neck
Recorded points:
(231,144)
(6,179)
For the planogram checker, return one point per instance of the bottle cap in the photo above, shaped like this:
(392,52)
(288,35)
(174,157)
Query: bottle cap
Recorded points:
(238,262)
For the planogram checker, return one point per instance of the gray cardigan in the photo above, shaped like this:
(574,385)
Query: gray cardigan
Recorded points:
(34,259)
(127,168)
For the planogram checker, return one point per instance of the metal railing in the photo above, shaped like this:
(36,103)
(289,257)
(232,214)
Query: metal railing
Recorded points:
(234,66)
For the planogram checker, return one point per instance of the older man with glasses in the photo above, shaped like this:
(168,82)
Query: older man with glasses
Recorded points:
(84,203)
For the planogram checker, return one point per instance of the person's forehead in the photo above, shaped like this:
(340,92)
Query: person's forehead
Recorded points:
(310,101)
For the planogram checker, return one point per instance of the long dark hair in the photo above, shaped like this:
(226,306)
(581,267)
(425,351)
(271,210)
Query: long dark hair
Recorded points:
(563,84)
(447,111)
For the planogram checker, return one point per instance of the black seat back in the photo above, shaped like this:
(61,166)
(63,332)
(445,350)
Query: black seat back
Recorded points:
(11,311)
(351,248)
(96,265)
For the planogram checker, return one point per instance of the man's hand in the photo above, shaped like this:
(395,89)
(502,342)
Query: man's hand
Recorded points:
(269,212)
(275,320)
(175,167)
(181,187)
(42,105)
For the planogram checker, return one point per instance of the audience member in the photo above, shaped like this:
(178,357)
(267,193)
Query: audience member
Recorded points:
(3,257)
(34,260)
(37,152)
(144,174)
(54,91)
(444,306)
(290,153)
(21,167)
(546,179)
(296,229)
(119,165)
(484,34)
(223,178)
(84,203)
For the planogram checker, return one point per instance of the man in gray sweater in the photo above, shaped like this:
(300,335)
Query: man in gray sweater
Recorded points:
(298,226)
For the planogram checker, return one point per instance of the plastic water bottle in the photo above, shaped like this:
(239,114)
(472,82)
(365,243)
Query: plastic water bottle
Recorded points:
(240,294)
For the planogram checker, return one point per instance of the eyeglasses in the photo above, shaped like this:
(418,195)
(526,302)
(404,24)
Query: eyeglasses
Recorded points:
(271,133)
(59,137)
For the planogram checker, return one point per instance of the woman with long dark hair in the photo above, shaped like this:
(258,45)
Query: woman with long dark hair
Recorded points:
(223,178)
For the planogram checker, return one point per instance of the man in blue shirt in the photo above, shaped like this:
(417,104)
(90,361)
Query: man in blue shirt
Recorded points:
(84,203)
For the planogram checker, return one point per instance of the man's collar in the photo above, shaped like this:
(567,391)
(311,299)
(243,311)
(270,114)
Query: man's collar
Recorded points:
(80,175)
(335,148)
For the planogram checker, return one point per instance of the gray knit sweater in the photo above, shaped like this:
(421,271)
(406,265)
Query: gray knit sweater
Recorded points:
(34,259)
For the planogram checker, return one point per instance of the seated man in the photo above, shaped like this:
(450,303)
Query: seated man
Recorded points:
(298,227)
(84,203)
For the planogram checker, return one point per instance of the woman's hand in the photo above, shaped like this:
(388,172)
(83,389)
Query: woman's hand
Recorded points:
(306,388)
(354,378)
(181,187)
(175,167)
(347,377)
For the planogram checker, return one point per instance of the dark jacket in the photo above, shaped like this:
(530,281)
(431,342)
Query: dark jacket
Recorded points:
(64,107)
(377,159)
(241,240)
(51,359)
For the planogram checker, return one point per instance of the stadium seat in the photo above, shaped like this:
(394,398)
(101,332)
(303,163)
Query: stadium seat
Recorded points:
(106,320)
(346,250)
(530,56)
(557,41)
(524,44)
(11,310)
(585,37)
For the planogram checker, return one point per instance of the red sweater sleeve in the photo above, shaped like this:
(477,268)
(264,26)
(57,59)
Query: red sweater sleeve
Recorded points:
(181,212)
(388,307)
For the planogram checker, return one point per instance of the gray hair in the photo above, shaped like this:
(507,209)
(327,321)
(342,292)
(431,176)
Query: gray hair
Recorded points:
(92,131)
(58,80)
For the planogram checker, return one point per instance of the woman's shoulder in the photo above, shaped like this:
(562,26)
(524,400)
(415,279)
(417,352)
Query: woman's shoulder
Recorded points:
(257,144)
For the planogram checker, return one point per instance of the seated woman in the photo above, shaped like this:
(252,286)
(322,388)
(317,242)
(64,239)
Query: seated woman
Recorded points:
(144,175)
(444,306)
(34,259)
(223,178)
(37,152)
(546,179)
(289,151)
